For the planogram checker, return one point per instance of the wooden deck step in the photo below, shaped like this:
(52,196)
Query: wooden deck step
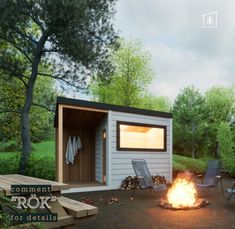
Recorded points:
(16,178)
(77,208)
(7,180)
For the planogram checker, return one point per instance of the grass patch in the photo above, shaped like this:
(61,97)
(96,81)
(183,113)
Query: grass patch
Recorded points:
(8,155)
(9,146)
(182,163)
(46,148)
(41,163)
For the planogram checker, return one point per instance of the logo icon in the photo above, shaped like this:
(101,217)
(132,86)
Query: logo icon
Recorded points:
(209,20)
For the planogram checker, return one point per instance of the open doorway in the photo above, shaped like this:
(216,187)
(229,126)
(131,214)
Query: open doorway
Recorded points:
(83,124)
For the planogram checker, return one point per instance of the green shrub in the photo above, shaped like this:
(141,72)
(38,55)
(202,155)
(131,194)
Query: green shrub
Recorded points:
(226,144)
(10,164)
(41,167)
(41,162)
(38,166)
(182,163)
(9,146)
(179,166)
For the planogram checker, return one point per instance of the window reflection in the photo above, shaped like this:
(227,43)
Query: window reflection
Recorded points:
(141,137)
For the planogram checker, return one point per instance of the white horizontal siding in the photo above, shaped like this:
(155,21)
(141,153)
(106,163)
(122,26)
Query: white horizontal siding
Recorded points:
(158,162)
(149,161)
(128,166)
(130,171)
(98,150)
(140,155)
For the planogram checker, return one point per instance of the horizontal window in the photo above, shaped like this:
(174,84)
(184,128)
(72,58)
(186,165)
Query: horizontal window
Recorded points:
(140,137)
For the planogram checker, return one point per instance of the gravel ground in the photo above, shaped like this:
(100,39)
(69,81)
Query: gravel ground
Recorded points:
(143,212)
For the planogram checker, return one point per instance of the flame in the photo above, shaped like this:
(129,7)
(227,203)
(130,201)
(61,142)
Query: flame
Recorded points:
(182,193)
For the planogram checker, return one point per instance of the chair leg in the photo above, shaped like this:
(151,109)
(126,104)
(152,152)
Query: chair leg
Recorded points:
(222,185)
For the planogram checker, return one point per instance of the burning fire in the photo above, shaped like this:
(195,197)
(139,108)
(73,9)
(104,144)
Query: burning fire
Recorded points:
(182,193)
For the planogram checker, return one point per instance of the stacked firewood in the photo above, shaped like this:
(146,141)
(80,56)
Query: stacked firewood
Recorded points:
(132,182)
(159,180)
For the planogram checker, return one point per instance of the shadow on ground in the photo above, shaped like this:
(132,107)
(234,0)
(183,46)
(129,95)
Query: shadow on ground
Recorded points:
(143,212)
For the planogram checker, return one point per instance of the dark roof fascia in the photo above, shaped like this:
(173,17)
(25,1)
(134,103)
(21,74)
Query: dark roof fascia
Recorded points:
(105,106)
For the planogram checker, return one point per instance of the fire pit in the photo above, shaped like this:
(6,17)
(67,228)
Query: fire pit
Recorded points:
(182,196)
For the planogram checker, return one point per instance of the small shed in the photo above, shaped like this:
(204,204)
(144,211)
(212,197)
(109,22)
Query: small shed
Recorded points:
(110,136)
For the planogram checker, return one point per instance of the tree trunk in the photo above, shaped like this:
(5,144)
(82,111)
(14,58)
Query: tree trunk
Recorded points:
(193,152)
(25,133)
(25,122)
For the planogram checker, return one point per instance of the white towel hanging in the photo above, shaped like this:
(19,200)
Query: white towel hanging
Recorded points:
(73,146)
(79,143)
(69,157)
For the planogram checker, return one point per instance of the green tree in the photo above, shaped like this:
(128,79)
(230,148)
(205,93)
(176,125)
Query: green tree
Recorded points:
(71,37)
(226,146)
(220,107)
(129,84)
(220,104)
(160,103)
(41,114)
(189,122)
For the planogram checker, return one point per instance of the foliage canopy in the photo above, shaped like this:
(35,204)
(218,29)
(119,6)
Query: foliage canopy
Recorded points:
(64,39)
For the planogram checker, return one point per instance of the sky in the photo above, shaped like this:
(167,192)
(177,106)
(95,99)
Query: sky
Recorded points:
(183,51)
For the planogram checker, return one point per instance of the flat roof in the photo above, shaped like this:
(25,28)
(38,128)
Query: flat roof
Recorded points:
(105,106)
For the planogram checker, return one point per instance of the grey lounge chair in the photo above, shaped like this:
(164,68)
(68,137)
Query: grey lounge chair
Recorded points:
(212,176)
(144,177)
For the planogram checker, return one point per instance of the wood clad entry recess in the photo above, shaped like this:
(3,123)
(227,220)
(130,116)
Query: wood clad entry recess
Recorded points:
(104,155)
(80,123)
